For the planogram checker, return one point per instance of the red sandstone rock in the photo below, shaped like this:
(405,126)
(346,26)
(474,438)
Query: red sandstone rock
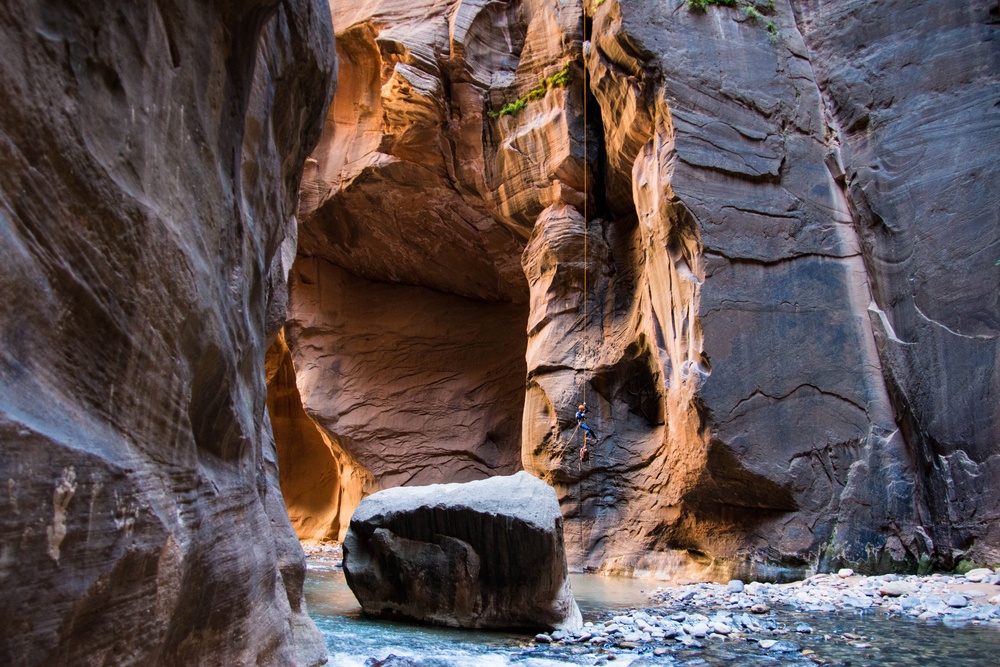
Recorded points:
(742,349)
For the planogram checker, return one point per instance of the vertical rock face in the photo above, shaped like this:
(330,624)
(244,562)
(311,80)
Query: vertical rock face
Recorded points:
(912,92)
(746,389)
(757,296)
(150,154)
(756,404)
(408,306)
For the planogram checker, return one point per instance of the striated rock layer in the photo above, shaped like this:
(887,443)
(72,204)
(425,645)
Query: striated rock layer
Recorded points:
(150,155)
(408,306)
(779,297)
(795,426)
(485,554)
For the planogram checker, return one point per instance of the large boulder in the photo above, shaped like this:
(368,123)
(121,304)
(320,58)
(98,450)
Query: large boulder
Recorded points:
(484,554)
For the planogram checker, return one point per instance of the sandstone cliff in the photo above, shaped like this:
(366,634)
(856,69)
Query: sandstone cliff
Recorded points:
(150,156)
(758,296)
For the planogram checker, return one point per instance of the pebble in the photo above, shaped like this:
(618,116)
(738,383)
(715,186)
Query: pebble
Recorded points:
(858,602)
(543,639)
(737,609)
(782,646)
(722,628)
(978,574)
(956,600)
(897,588)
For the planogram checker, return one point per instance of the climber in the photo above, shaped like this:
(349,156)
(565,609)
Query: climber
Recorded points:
(581,419)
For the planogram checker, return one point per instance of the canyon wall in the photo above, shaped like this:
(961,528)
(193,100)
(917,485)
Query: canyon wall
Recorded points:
(150,159)
(408,305)
(759,241)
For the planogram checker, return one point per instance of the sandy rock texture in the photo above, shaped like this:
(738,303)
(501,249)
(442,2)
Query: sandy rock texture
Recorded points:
(484,554)
(758,299)
(408,304)
(150,157)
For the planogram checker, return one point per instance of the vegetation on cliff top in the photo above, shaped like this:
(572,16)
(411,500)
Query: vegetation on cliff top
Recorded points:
(753,11)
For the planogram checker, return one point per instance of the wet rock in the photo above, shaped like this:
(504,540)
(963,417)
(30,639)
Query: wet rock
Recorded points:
(782,646)
(485,554)
(722,628)
(393,660)
(803,628)
(857,601)
(760,608)
(698,630)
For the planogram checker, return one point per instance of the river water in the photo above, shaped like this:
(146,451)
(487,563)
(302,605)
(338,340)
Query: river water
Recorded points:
(352,639)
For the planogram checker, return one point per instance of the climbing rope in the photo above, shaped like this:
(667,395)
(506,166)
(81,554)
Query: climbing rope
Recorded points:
(586,157)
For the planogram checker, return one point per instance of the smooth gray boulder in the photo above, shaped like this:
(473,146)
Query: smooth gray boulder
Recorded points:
(484,554)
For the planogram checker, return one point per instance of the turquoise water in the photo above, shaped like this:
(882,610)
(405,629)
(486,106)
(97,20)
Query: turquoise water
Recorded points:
(352,639)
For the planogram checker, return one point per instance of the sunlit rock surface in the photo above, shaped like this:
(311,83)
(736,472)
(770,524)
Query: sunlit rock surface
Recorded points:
(408,305)
(787,327)
(485,554)
(150,157)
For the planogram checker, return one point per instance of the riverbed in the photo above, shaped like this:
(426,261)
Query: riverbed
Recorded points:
(842,639)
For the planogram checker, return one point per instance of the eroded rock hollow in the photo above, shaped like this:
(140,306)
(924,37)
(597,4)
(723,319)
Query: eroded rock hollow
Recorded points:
(734,234)
(150,160)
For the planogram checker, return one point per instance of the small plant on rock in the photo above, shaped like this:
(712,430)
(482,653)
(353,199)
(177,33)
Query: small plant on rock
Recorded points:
(545,84)
(772,31)
(753,11)
(702,5)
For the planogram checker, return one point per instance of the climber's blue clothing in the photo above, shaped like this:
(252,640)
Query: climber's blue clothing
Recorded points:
(581,416)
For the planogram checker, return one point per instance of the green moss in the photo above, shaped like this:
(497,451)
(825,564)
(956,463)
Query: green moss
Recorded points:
(545,84)
(924,564)
(752,13)
(967,565)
